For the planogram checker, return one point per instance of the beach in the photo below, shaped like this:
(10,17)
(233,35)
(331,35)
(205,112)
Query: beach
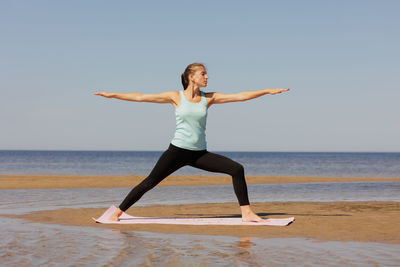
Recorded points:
(361,221)
(332,221)
(11,181)
(47,220)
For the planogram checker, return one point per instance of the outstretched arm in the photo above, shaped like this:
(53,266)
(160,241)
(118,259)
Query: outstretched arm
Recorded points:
(166,97)
(220,98)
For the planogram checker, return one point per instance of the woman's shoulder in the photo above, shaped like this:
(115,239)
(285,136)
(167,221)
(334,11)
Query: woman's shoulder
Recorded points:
(175,97)
(209,94)
(173,92)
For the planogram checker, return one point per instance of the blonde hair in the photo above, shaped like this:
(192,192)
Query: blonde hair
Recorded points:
(190,69)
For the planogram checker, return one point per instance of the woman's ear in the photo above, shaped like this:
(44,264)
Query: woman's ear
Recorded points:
(190,76)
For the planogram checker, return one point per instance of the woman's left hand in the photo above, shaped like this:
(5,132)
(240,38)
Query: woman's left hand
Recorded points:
(277,91)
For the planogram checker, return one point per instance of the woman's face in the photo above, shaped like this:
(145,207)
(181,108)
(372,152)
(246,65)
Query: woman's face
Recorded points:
(200,77)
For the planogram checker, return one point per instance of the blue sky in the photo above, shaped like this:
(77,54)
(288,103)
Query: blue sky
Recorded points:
(340,59)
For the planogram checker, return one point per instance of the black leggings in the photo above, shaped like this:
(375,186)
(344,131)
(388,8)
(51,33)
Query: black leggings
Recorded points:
(175,157)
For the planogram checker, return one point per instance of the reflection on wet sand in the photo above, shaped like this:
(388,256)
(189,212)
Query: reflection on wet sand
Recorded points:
(245,242)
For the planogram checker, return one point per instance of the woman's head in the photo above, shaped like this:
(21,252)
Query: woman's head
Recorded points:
(194,73)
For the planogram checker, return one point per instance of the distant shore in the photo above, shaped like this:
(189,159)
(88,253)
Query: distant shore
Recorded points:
(93,181)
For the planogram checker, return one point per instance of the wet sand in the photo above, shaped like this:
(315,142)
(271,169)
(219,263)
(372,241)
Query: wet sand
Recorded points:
(335,221)
(72,181)
(339,221)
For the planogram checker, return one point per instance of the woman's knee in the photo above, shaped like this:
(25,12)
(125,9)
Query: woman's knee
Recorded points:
(237,170)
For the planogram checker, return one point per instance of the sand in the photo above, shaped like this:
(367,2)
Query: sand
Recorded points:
(334,221)
(72,181)
(338,221)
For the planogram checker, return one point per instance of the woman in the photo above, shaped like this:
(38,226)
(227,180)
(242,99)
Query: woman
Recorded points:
(188,146)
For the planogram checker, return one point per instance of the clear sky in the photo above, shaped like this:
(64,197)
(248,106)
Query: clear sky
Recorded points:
(340,59)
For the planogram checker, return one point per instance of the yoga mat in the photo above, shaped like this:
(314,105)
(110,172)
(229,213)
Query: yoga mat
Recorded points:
(128,219)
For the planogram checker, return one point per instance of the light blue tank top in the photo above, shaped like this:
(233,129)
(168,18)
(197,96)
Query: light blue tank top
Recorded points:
(191,121)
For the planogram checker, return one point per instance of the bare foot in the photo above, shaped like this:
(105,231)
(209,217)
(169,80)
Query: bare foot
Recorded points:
(248,215)
(115,215)
(252,218)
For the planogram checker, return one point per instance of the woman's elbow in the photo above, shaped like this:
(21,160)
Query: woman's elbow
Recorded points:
(242,97)
(139,98)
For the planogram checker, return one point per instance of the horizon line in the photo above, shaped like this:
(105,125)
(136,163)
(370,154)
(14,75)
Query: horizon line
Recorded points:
(269,151)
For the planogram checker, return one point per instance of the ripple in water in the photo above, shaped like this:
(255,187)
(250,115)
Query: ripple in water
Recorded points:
(32,244)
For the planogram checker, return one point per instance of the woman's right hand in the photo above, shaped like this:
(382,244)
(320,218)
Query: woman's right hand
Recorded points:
(105,94)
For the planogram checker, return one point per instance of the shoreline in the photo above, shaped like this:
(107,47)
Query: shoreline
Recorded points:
(26,181)
(370,221)
(323,221)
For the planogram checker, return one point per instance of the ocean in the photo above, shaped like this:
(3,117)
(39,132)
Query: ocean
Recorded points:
(323,164)
(25,243)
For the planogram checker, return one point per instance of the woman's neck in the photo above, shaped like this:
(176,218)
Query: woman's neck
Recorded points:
(193,91)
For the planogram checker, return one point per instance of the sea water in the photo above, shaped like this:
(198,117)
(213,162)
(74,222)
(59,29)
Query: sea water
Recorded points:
(325,164)
(33,244)
(19,201)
